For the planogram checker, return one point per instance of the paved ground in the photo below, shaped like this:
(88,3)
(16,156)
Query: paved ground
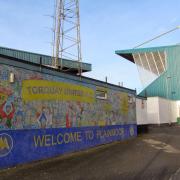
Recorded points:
(152,156)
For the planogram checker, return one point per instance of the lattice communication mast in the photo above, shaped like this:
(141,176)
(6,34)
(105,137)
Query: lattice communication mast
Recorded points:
(66,38)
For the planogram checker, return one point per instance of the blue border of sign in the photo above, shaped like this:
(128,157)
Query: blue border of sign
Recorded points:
(25,146)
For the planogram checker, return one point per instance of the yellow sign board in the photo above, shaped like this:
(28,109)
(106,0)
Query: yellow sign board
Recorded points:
(49,90)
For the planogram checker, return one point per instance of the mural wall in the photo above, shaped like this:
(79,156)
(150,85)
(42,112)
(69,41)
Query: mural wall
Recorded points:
(42,116)
(36,100)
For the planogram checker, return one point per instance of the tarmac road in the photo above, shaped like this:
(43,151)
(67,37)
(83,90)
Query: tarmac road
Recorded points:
(152,156)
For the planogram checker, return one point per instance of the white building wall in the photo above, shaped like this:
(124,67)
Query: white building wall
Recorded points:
(153,110)
(168,111)
(178,108)
(174,111)
(157,111)
(141,111)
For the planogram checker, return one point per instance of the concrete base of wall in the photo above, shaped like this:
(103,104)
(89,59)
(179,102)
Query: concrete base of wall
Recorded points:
(163,125)
(143,129)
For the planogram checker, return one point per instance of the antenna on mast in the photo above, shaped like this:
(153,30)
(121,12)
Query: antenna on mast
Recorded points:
(66,39)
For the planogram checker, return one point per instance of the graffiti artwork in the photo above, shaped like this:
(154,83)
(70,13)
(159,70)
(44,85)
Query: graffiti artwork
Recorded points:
(37,100)
(42,116)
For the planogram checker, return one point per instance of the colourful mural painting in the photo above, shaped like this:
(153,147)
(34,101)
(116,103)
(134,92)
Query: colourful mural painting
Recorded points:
(38,100)
(42,115)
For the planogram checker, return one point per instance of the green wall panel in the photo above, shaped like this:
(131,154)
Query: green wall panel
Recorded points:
(168,84)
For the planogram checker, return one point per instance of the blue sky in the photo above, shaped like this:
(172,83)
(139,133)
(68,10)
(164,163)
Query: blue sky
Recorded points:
(106,26)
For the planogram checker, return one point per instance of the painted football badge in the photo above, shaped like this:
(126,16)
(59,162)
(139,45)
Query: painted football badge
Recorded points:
(6,144)
(131,130)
